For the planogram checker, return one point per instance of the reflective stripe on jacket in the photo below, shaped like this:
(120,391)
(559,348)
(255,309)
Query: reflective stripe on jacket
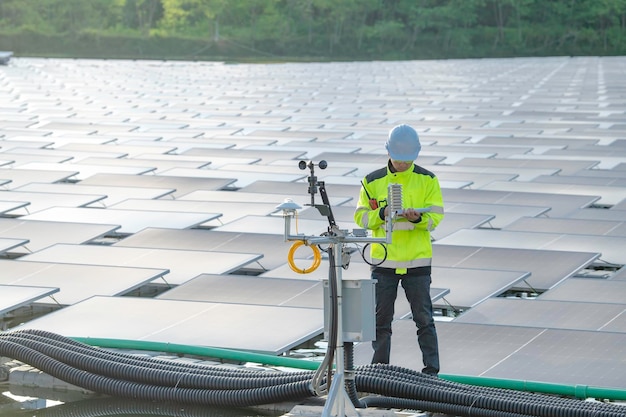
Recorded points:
(411,244)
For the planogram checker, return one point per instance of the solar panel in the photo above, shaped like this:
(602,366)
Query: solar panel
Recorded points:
(581,180)
(585,289)
(560,205)
(7,244)
(41,234)
(180,185)
(107,194)
(503,214)
(42,201)
(20,143)
(7,206)
(21,177)
(608,195)
(470,287)
(245,197)
(540,140)
(610,247)
(84,170)
(547,267)
(182,265)
(219,141)
(288,170)
(607,159)
(565,167)
(264,329)
(621,206)
(568,357)
(129,150)
(308,151)
(620,274)
(575,315)
(129,221)
(601,173)
(32,154)
(273,247)
(275,224)
(477,179)
(291,189)
(13,297)
(265,156)
(599,214)
(566,225)
(246,289)
(154,164)
(77,282)
(213,162)
(464,349)
(222,212)
(240,179)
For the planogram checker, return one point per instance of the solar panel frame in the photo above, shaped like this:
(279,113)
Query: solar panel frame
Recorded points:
(609,247)
(179,185)
(560,205)
(548,314)
(41,234)
(273,247)
(545,272)
(585,289)
(77,282)
(19,177)
(608,195)
(182,265)
(7,244)
(107,194)
(228,326)
(567,225)
(13,297)
(128,221)
(247,289)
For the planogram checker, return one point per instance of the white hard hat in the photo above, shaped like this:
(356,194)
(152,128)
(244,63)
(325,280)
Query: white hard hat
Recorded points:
(403,143)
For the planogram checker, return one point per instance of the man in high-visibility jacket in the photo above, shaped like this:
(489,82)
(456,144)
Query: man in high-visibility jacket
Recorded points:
(407,260)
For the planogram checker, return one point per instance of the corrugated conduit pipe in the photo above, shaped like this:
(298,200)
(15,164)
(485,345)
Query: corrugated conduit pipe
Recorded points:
(404,388)
(145,378)
(148,378)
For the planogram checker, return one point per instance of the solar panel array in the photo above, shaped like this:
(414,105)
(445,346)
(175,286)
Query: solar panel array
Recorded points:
(118,176)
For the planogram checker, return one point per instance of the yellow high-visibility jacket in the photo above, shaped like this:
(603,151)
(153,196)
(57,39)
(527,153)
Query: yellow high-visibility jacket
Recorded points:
(411,243)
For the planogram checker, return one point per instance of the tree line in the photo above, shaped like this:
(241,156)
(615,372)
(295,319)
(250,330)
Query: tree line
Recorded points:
(312,29)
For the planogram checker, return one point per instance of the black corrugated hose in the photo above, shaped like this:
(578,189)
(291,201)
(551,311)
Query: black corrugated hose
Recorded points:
(404,386)
(118,379)
(144,378)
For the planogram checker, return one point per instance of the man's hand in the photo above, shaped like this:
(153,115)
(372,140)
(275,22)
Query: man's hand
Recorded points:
(411,215)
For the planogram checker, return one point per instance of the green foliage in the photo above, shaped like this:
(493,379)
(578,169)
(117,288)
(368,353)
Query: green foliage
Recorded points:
(345,29)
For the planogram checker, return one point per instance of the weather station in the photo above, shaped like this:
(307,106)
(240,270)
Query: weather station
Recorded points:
(349,306)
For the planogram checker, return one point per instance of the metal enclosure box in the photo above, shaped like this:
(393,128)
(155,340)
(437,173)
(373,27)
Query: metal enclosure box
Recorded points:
(358,312)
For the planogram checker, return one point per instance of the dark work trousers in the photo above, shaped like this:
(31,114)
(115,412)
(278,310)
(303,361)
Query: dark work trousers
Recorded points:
(416,284)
